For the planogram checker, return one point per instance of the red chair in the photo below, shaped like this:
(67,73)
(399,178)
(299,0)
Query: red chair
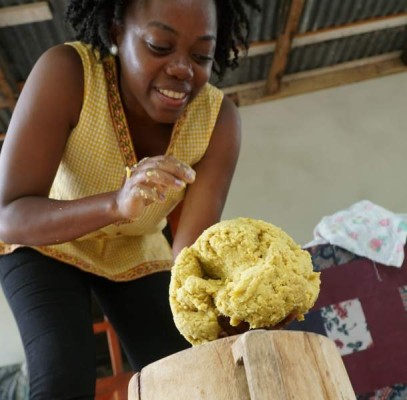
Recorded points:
(112,387)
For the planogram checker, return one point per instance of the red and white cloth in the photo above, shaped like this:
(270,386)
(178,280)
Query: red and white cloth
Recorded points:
(367,230)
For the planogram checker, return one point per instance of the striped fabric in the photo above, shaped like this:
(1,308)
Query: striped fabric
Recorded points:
(94,161)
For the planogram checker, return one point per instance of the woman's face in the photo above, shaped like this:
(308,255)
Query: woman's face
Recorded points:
(166,50)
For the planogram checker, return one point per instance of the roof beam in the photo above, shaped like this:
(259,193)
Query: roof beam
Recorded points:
(25,14)
(323,35)
(381,59)
(320,78)
(283,47)
(358,28)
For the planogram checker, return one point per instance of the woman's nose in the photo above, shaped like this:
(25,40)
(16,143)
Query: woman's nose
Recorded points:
(180,68)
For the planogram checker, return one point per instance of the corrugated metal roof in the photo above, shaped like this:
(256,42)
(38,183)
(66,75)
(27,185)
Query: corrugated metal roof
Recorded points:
(347,49)
(319,14)
(264,25)
(21,45)
(251,69)
(322,55)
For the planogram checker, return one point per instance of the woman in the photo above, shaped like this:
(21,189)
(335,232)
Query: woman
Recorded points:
(110,133)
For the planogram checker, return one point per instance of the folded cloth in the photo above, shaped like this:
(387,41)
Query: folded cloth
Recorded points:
(14,382)
(367,230)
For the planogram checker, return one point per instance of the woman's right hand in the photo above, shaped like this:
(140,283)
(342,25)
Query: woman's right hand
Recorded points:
(149,181)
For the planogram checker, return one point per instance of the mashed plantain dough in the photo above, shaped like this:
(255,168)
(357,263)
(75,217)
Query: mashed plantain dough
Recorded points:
(245,269)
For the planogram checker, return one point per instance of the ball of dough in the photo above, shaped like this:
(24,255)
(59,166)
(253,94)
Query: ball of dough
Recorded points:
(245,269)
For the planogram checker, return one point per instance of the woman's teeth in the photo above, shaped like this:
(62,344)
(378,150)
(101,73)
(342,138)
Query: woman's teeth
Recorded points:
(171,94)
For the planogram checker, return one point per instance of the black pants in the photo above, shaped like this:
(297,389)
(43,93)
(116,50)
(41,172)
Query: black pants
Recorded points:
(51,302)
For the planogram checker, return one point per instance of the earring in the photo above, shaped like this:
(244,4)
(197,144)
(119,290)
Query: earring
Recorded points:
(113,50)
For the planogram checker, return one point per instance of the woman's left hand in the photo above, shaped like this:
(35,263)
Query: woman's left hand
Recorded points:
(229,330)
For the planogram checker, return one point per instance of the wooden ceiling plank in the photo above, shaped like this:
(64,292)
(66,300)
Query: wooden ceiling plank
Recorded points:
(261,48)
(338,32)
(380,60)
(328,78)
(25,14)
(357,28)
(283,47)
(394,55)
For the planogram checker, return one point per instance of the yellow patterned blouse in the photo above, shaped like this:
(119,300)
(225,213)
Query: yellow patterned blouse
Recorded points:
(94,161)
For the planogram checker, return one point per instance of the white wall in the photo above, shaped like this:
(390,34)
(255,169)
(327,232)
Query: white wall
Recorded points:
(312,155)
(305,157)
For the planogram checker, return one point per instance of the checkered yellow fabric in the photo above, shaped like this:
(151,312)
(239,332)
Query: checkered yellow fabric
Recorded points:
(94,161)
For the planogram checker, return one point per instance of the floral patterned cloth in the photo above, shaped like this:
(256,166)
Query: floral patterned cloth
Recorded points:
(396,392)
(362,307)
(365,229)
(345,323)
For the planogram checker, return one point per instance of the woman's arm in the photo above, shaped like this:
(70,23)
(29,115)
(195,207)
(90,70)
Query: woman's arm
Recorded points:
(48,109)
(204,200)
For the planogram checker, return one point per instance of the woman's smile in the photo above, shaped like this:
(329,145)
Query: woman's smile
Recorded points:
(171,98)
(168,56)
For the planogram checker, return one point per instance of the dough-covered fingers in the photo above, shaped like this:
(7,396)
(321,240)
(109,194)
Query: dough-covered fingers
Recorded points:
(148,193)
(177,168)
(149,180)
(163,170)
(185,172)
(164,179)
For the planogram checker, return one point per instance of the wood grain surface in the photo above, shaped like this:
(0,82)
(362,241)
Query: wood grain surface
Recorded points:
(257,365)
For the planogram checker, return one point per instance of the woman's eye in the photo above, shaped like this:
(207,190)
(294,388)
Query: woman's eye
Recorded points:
(158,49)
(203,58)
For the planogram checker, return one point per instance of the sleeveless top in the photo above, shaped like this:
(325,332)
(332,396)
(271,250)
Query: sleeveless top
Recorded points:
(94,161)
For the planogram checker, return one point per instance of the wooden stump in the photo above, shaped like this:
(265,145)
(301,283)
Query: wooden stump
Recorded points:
(257,365)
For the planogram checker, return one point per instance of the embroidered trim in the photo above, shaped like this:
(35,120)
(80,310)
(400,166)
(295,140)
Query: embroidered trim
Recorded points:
(8,248)
(117,114)
(137,271)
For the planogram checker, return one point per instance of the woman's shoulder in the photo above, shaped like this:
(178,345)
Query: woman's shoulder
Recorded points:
(62,65)
(62,58)
(58,74)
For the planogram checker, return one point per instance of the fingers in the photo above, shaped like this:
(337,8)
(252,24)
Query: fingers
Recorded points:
(168,164)
(164,179)
(149,180)
(164,171)
(286,321)
(283,323)
(175,167)
(147,194)
(229,330)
